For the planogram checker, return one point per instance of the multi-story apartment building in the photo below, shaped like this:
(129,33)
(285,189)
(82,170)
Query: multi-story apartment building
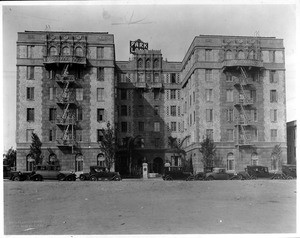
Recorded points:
(230,88)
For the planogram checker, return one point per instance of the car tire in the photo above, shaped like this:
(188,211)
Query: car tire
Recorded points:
(69,178)
(209,178)
(17,178)
(240,177)
(93,178)
(289,177)
(38,178)
(82,177)
(60,177)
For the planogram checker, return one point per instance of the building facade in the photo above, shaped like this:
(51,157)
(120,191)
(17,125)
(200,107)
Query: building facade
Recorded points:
(291,130)
(230,88)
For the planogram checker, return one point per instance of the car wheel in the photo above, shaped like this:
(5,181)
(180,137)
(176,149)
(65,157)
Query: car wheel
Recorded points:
(289,177)
(38,178)
(209,178)
(74,178)
(94,178)
(117,178)
(82,178)
(240,177)
(169,178)
(253,177)
(60,177)
(69,178)
(17,178)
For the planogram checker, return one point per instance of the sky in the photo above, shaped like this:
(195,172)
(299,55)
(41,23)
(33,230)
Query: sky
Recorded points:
(170,28)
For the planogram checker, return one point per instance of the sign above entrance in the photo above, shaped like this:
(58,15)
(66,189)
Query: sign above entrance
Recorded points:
(137,45)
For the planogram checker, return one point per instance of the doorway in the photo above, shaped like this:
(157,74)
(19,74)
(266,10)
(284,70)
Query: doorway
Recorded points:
(158,165)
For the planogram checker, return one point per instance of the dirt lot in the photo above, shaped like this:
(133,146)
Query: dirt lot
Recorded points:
(149,207)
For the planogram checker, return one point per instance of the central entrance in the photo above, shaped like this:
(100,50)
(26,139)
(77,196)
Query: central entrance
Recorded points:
(158,165)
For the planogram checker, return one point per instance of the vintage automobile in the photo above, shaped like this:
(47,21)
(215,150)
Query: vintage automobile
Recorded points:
(100,173)
(219,174)
(178,175)
(258,171)
(20,175)
(289,171)
(51,172)
(202,175)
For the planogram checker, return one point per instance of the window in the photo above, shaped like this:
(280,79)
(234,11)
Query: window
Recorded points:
(140,78)
(52,114)
(52,135)
(148,63)
(30,51)
(253,95)
(99,135)
(251,55)
(230,161)
(228,55)
(273,134)
(156,78)
(194,116)
(173,126)
(30,93)
(229,77)
(173,77)
(30,114)
(230,134)
(101,160)
(272,76)
(140,63)
(209,133)
(173,111)
(229,95)
(100,114)
(28,134)
(208,75)
(100,74)
(79,114)
(230,115)
(209,115)
(156,94)
(208,55)
(100,52)
(79,94)
(123,94)
(141,126)
(79,135)
(148,77)
(175,161)
(123,126)
(271,56)
(52,93)
(123,110)
(156,126)
(156,110)
(53,51)
(208,95)
(30,72)
(156,63)
(173,93)
(241,55)
(78,162)
(65,51)
(100,94)
(273,115)
(79,52)
(273,96)
(254,114)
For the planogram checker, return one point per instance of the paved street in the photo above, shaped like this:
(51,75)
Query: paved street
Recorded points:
(150,207)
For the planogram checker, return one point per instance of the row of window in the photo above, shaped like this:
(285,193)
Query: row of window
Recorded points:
(147,63)
(126,126)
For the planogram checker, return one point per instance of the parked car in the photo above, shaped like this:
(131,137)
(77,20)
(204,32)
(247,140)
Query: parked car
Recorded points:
(202,175)
(100,173)
(289,171)
(21,176)
(219,174)
(258,171)
(52,172)
(178,175)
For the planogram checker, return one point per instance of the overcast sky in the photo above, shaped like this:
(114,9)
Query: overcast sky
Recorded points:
(170,28)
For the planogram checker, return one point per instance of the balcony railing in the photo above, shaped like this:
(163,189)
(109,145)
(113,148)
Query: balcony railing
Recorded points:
(242,81)
(244,101)
(64,59)
(65,121)
(63,99)
(243,121)
(67,142)
(242,62)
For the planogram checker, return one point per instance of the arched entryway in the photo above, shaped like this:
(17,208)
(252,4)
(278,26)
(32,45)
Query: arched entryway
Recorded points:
(158,165)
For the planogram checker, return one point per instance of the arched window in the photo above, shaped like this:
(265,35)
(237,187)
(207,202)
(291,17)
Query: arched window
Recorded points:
(148,63)
(140,63)
(52,51)
(78,162)
(230,161)
(254,159)
(29,162)
(101,160)
(229,55)
(79,51)
(241,55)
(156,64)
(251,55)
(66,51)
